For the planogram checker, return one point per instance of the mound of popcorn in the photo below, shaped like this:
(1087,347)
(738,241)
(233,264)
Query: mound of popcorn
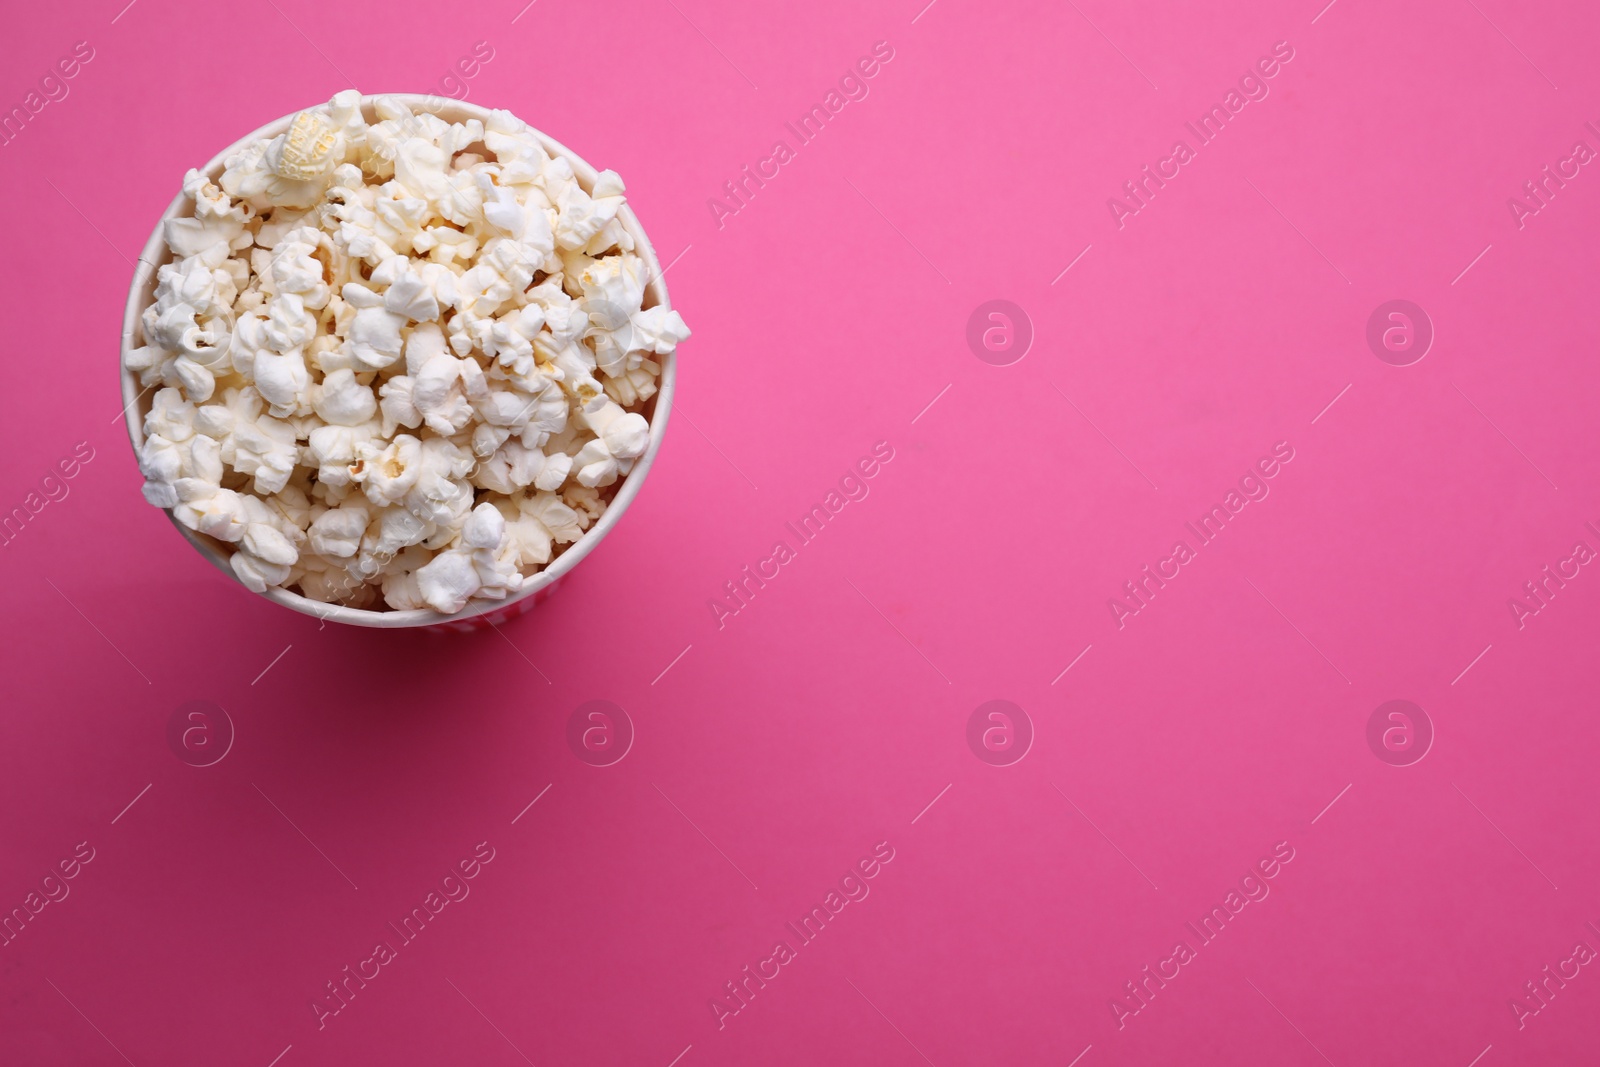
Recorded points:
(398,363)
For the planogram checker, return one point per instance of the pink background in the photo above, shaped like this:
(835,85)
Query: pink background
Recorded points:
(1175,753)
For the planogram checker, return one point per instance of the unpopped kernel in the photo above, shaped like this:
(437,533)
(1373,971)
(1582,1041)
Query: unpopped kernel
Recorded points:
(398,363)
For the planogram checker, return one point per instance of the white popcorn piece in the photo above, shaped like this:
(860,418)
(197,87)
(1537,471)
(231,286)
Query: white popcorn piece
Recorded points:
(447,581)
(170,416)
(485,527)
(658,329)
(265,449)
(296,270)
(397,529)
(397,363)
(256,574)
(397,406)
(499,574)
(584,501)
(265,542)
(250,441)
(340,400)
(621,438)
(290,511)
(306,151)
(387,473)
(515,466)
(284,381)
(399,583)
(581,216)
(494,558)
(248,176)
(375,338)
(337,533)
(441,493)
(190,320)
(438,395)
(177,464)
(333,448)
(325,581)
(218,513)
(411,297)
(634,387)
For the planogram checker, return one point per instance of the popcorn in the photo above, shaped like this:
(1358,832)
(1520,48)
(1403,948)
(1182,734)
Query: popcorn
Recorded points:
(447,581)
(216,512)
(393,373)
(388,473)
(623,436)
(336,533)
(534,523)
(306,151)
(374,338)
(342,401)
